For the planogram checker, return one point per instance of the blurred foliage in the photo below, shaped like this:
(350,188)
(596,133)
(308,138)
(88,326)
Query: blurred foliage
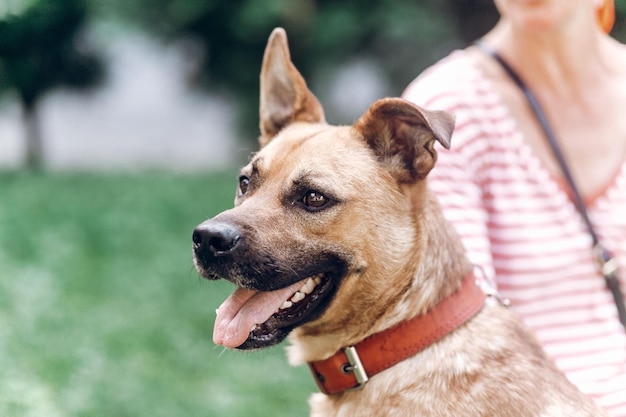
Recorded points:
(41,48)
(402,37)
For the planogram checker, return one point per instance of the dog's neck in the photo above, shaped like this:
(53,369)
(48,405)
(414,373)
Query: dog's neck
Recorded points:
(443,262)
(352,366)
(435,270)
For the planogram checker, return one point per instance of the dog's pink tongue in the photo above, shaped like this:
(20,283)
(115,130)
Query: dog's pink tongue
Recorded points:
(245,308)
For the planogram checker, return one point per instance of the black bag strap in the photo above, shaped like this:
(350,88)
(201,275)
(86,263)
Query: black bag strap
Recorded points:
(606,263)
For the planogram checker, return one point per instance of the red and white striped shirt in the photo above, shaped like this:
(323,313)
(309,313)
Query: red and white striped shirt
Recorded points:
(518,223)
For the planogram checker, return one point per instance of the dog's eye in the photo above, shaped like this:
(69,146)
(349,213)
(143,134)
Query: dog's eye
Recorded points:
(314,199)
(243,184)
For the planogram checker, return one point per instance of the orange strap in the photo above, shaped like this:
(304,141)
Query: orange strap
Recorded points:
(351,367)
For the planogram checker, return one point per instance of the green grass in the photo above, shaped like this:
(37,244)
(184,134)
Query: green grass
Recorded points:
(102,313)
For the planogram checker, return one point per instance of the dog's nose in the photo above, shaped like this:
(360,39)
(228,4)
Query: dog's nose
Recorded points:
(216,237)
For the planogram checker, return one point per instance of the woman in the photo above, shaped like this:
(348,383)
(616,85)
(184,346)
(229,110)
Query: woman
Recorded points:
(502,187)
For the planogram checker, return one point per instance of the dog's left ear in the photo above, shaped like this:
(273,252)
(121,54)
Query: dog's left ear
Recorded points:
(402,135)
(285,97)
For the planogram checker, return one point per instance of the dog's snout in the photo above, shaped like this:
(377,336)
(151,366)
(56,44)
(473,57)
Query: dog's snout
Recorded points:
(217,238)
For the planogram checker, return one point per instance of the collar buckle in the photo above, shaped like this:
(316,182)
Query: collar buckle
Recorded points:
(355,366)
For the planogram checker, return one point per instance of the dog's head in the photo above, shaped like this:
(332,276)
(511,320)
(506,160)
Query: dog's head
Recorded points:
(319,211)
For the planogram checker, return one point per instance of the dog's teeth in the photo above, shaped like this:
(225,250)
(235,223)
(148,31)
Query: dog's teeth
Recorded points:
(298,296)
(253,328)
(308,286)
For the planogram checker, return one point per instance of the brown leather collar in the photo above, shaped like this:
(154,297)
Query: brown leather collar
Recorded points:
(351,367)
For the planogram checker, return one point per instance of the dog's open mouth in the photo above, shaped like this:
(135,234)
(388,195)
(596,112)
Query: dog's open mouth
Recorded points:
(251,319)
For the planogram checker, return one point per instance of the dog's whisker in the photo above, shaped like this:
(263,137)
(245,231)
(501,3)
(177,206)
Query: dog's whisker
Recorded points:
(223,350)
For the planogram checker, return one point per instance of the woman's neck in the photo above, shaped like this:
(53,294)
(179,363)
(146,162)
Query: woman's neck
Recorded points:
(557,62)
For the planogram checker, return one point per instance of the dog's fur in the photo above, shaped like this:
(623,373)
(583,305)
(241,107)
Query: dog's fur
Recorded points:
(351,203)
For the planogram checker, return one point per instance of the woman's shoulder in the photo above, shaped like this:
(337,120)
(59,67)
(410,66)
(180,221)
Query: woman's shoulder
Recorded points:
(455,77)
(460,84)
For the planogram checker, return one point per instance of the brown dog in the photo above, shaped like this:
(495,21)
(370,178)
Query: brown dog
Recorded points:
(336,241)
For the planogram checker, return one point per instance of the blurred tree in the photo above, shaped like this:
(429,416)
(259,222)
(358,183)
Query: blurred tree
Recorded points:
(402,36)
(42,47)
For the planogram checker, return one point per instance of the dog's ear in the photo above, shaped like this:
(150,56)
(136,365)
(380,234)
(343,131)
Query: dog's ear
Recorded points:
(402,135)
(285,97)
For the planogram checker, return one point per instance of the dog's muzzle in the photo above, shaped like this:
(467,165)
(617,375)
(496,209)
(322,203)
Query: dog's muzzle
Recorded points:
(213,239)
